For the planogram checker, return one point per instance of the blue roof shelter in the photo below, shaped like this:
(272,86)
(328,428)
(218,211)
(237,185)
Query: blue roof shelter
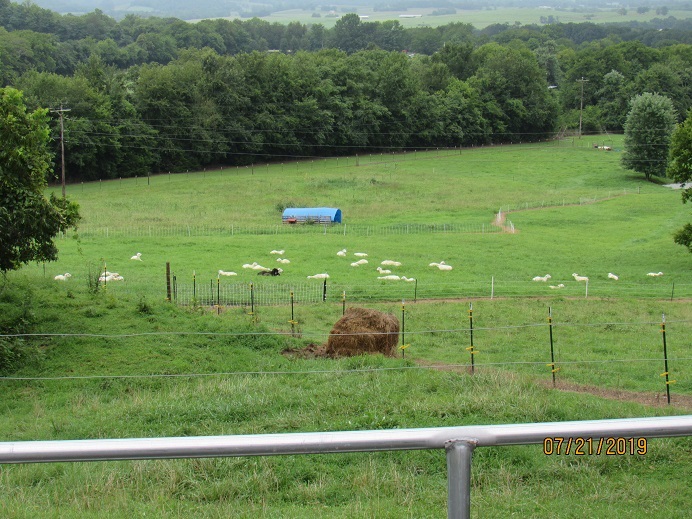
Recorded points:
(312,214)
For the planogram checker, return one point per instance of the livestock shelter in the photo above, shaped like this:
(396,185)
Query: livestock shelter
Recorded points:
(311,215)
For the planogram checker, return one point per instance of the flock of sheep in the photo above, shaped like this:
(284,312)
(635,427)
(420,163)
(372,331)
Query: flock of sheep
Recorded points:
(577,277)
(385,274)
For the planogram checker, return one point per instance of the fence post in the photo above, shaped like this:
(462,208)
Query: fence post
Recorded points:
(552,352)
(665,359)
(252,299)
(324,291)
(168,281)
(470,348)
(343,303)
(459,454)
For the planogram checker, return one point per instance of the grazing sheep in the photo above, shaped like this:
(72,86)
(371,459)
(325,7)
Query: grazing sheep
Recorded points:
(279,252)
(444,267)
(404,278)
(359,263)
(360,254)
(577,277)
(383,271)
(613,276)
(557,286)
(655,274)
(63,277)
(283,260)
(342,252)
(542,278)
(224,273)
(390,278)
(137,257)
(319,276)
(391,263)
(272,272)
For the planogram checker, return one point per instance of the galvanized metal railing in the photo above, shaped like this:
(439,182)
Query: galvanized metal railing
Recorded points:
(458,442)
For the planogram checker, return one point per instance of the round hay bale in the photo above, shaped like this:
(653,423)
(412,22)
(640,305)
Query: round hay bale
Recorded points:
(361,331)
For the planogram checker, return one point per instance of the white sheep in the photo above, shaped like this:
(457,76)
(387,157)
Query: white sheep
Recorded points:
(360,254)
(443,266)
(279,252)
(319,276)
(613,276)
(225,273)
(390,278)
(250,265)
(404,278)
(557,286)
(342,252)
(435,264)
(63,277)
(137,257)
(655,274)
(391,263)
(110,276)
(283,260)
(383,271)
(577,277)
(542,278)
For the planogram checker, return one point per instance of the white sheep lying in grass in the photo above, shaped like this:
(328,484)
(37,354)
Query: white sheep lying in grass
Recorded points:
(613,276)
(137,257)
(577,277)
(391,263)
(359,263)
(250,265)
(110,276)
(63,277)
(383,271)
(342,252)
(390,278)
(360,254)
(542,278)
(557,286)
(444,267)
(283,260)
(655,274)
(279,252)
(225,273)
(404,278)
(319,276)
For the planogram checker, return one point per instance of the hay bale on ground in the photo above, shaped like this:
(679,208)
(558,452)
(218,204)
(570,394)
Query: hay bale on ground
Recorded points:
(362,331)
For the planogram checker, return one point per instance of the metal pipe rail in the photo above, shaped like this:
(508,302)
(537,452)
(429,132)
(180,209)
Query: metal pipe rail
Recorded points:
(458,443)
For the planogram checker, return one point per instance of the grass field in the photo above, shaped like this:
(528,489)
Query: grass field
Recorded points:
(479,18)
(122,362)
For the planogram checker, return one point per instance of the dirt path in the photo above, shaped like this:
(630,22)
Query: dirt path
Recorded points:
(656,399)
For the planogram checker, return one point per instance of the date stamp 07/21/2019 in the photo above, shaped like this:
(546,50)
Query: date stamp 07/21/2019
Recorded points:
(580,446)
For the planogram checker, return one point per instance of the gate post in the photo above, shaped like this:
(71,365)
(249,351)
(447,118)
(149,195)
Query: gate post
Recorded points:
(459,453)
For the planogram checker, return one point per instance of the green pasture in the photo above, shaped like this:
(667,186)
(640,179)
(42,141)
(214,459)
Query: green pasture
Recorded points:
(479,18)
(120,361)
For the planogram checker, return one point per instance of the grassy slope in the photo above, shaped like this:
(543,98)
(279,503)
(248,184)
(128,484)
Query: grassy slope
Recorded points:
(314,395)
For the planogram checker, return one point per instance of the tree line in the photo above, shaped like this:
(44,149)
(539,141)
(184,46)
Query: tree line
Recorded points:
(152,95)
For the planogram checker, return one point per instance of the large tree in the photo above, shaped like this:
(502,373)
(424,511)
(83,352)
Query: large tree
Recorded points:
(28,221)
(680,170)
(648,128)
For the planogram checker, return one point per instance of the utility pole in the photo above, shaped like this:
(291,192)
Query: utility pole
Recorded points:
(581,102)
(62,144)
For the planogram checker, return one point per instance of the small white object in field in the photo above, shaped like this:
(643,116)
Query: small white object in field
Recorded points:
(319,276)
(557,286)
(542,278)
(613,276)
(283,260)
(391,263)
(390,278)
(225,273)
(279,252)
(63,277)
(444,267)
(360,254)
(655,274)
(383,271)
(577,277)
(342,252)
(137,257)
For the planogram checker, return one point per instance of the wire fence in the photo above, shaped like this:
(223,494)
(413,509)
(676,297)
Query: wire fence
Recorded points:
(158,231)
(222,293)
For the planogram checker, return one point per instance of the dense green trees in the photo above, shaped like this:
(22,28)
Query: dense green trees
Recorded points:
(160,94)
(648,130)
(28,221)
(680,170)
